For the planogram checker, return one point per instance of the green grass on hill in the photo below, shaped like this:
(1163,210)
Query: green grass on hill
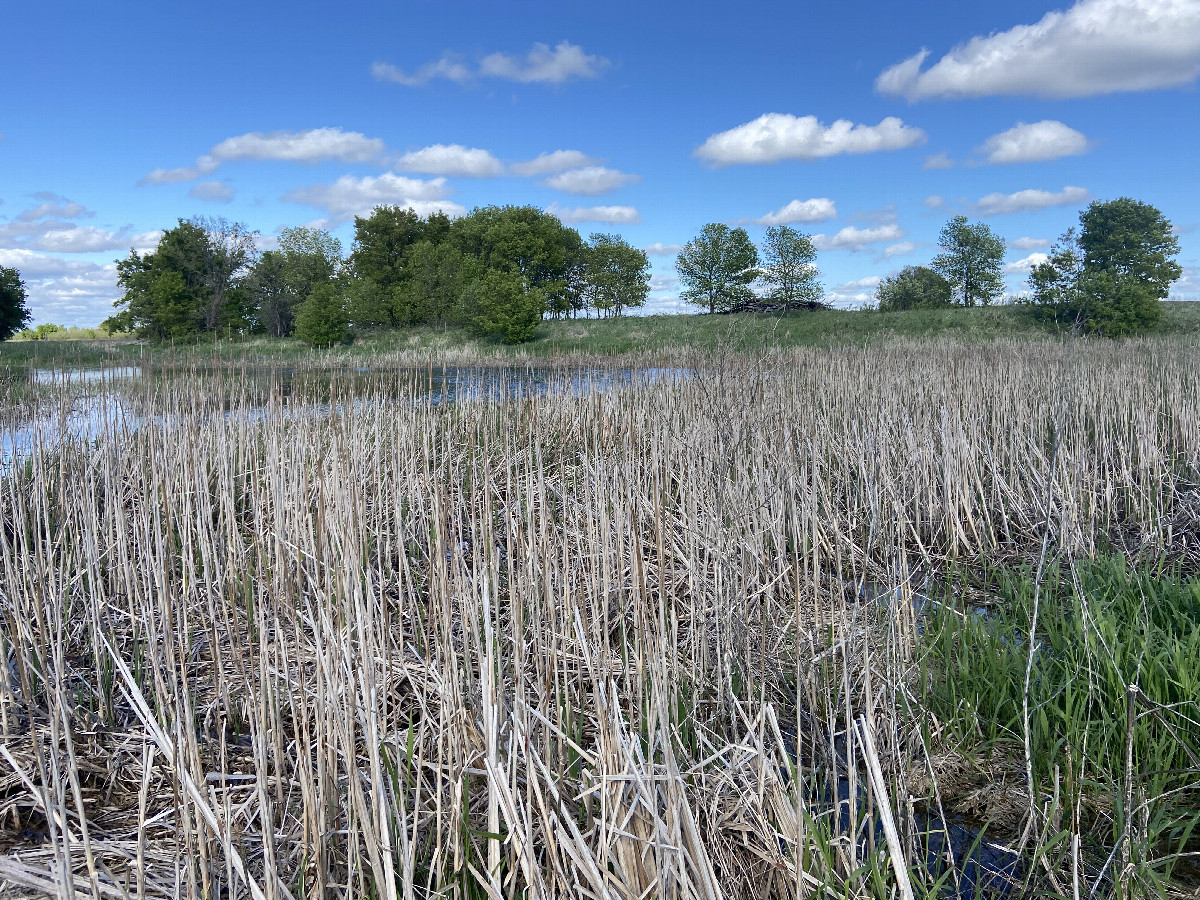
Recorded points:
(602,337)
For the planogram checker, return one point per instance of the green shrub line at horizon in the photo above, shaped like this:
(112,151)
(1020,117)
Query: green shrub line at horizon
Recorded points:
(587,643)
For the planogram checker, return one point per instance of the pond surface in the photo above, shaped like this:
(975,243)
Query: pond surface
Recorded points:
(84,403)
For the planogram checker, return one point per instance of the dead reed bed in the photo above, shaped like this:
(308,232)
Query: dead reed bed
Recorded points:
(608,644)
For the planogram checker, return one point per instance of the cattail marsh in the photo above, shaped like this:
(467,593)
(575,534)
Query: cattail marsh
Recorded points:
(609,640)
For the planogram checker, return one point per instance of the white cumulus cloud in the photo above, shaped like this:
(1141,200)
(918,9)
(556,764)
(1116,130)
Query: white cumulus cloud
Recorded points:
(350,196)
(66,292)
(452,159)
(611,215)
(934,202)
(938,161)
(48,227)
(854,238)
(1029,200)
(1021,266)
(590,180)
(1095,47)
(1035,142)
(777,136)
(86,239)
(555,161)
(818,209)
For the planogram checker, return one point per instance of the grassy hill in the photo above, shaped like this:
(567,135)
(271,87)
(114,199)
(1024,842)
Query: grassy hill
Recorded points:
(631,334)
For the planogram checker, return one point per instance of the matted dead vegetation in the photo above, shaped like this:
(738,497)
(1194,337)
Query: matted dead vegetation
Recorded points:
(599,645)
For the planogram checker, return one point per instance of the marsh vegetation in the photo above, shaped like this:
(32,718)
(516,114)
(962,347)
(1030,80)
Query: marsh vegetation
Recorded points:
(903,620)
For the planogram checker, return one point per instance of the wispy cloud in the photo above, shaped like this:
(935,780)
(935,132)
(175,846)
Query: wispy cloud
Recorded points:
(1028,200)
(610,215)
(660,249)
(541,64)
(590,180)
(212,192)
(853,238)
(817,209)
(312,146)
(1028,243)
(554,161)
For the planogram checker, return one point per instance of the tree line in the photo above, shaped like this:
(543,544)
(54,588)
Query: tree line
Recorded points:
(497,271)
(1107,277)
(501,269)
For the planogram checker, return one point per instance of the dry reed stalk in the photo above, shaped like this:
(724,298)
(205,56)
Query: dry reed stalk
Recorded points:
(325,637)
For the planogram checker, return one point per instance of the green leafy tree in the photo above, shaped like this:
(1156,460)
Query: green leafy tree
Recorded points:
(524,241)
(717,267)
(914,287)
(382,241)
(279,279)
(367,304)
(224,257)
(789,266)
(189,284)
(1109,278)
(972,260)
(323,319)
(271,296)
(504,306)
(14,312)
(311,257)
(616,275)
(437,274)
(1131,241)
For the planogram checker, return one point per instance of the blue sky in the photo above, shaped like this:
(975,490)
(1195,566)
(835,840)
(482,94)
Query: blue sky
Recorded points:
(863,122)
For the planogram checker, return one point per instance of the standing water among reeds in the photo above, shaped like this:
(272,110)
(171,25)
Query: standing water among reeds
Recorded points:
(610,642)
